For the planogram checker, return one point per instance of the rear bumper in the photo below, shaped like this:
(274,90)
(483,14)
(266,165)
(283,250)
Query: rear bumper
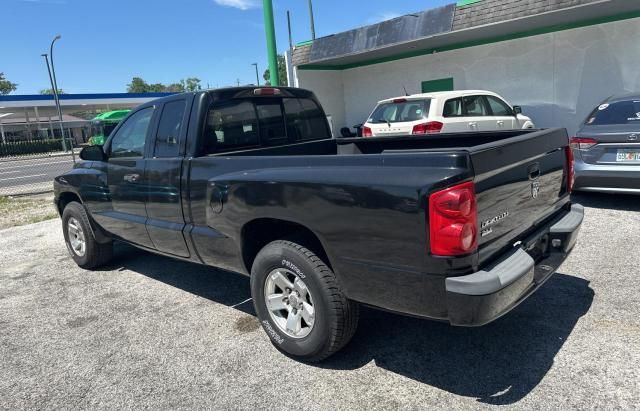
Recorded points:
(479,298)
(607,178)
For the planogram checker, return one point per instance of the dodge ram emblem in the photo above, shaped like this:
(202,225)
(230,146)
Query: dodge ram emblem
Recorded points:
(632,137)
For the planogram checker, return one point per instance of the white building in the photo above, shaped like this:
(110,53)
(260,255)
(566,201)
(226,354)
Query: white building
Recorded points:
(556,58)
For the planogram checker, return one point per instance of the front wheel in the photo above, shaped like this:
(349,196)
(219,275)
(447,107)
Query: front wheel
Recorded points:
(300,303)
(83,247)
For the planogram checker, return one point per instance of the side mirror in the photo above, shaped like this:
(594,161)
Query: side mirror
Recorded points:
(517,109)
(93,153)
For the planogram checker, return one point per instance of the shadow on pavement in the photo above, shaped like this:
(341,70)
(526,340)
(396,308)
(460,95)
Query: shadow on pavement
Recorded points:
(622,202)
(220,286)
(498,364)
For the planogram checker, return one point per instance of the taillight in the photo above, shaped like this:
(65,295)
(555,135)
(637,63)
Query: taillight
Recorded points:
(453,221)
(582,143)
(367,132)
(266,91)
(428,128)
(570,168)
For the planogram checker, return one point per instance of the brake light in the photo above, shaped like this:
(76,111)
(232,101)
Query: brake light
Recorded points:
(367,132)
(453,221)
(582,143)
(400,100)
(570,168)
(428,128)
(266,91)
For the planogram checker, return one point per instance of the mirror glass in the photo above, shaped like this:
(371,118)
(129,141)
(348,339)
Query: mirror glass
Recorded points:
(92,153)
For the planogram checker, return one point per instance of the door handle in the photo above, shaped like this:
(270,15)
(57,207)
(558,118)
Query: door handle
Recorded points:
(131,178)
(172,140)
(500,123)
(473,124)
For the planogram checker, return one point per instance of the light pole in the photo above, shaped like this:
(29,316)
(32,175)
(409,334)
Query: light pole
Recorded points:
(64,145)
(272,48)
(257,76)
(54,84)
(313,24)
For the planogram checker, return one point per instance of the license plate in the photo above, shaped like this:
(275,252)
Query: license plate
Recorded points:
(628,156)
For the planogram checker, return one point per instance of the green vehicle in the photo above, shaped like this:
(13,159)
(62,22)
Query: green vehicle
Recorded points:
(103,124)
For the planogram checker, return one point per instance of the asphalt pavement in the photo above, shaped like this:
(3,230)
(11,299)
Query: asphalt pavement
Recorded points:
(150,332)
(32,174)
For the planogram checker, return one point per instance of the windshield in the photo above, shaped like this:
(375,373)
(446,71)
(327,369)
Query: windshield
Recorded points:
(620,112)
(401,111)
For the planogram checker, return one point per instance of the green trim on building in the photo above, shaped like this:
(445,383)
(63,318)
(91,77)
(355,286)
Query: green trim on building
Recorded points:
(441,84)
(473,43)
(304,43)
(463,3)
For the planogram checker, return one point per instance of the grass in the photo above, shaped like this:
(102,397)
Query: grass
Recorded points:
(16,211)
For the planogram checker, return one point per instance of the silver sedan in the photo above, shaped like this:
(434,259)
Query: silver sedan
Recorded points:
(607,147)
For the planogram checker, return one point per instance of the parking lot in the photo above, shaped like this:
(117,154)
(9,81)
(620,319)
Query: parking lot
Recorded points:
(150,332)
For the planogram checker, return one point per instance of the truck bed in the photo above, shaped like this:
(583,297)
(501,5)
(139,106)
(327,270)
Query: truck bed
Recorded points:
(366,200)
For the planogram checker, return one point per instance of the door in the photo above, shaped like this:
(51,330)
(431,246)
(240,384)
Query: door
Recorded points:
(455,120)
(125,179)
(503,116)
(478,116)
(163,171)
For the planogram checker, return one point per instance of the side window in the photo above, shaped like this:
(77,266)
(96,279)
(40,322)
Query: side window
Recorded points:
(130,138)
(499,107)
(231,126)
(272,128)
(452,108)
(169,129)
(305,120)
(475,106)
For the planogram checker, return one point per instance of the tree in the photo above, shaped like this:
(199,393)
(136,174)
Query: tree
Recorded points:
(175,88)
(6,86)
(282,72)
(138,85)
(50,91)
(192,84)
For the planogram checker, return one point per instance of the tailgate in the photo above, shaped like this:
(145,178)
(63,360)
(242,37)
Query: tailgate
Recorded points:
(519,183)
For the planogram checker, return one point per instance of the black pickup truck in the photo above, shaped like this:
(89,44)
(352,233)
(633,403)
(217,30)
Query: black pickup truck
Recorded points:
(452,227)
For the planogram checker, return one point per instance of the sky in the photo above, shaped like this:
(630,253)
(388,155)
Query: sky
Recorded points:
(106,43)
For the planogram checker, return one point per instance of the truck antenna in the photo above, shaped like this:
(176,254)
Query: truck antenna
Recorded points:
(405,90)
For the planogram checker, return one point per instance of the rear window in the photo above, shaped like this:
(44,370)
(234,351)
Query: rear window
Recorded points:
(231,126)
(620,112)
(305,120)
(405,111)
(247,123)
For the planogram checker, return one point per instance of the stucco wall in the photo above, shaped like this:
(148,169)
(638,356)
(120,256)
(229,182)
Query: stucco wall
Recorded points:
(557,77)
(329,89)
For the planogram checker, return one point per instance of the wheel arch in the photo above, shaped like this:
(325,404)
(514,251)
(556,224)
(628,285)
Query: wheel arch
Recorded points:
(65,198)
(259,232)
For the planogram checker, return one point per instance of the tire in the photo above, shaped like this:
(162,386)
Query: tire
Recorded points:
(335,318)
(77,229)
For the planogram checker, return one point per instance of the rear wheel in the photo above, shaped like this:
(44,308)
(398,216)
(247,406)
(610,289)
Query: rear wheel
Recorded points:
(300,303)
(81,243)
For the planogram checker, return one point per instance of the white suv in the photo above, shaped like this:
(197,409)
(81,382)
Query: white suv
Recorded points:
(444,112)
